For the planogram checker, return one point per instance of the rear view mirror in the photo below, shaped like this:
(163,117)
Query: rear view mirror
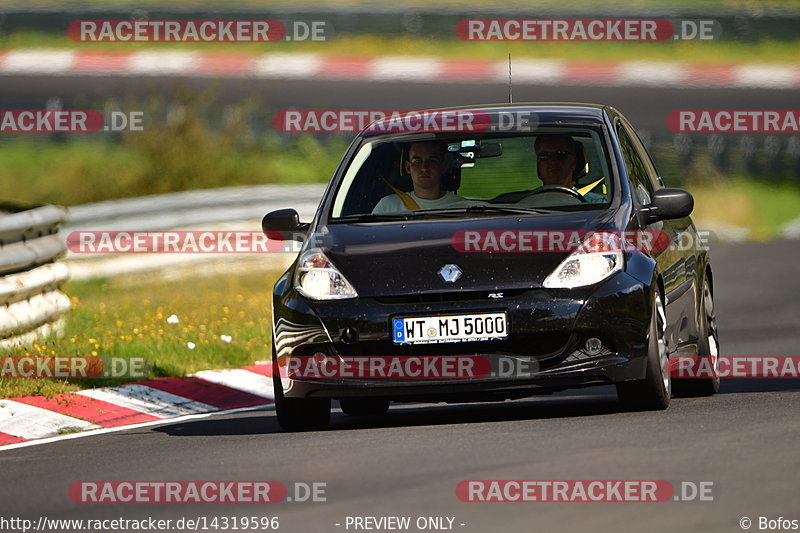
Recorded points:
(490,150)
(465,153)
(284,225)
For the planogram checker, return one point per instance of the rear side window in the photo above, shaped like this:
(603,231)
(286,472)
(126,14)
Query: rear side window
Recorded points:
(640,182)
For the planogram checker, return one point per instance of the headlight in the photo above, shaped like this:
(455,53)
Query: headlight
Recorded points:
(599,256)
(318,279)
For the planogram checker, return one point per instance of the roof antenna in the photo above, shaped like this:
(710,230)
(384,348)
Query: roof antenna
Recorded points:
(510,98)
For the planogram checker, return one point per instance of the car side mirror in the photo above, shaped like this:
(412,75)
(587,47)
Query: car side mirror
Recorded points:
(284,225)
(667,204)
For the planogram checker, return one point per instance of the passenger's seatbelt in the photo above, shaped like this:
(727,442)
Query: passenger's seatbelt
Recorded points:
(405,197)
(583,190)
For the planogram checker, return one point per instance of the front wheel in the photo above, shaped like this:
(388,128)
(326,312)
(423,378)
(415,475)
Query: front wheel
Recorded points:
(654,391)
(299,414)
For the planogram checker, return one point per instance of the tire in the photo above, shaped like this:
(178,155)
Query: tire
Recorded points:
(707,346)
(299,414)
(654,391)
(364,406)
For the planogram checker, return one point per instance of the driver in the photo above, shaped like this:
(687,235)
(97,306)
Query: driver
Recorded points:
(426,164)
(557,163)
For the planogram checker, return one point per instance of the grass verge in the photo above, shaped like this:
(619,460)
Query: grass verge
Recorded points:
(128,316)
(79,172)
(761,207)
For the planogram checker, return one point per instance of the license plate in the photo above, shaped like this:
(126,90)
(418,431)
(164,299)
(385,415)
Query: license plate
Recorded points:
(449,328)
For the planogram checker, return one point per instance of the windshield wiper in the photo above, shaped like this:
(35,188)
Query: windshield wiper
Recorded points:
(508,209)
(447,213)
(373,217)
(472,209)
(438,212)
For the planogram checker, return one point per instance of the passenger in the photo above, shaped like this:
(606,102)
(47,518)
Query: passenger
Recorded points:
(426,165)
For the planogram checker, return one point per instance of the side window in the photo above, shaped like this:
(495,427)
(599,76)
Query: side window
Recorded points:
(640,182)
(646,159)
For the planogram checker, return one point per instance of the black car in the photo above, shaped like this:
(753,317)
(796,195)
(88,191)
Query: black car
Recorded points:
(490,253)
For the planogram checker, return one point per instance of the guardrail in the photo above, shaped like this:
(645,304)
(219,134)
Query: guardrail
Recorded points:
(31,303)
(192,208)
(232,208)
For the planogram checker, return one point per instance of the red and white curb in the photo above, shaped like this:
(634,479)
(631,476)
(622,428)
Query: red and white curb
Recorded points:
(36,419)
(394,68)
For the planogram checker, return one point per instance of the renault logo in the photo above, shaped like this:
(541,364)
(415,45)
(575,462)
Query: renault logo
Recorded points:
(450,273)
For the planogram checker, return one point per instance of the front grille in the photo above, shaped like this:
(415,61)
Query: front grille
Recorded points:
(445,297)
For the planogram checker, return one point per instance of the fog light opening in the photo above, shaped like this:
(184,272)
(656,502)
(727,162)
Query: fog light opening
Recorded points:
(593,346)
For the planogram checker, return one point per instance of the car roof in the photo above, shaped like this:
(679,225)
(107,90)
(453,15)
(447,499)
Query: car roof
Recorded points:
(566,107)
(546,112)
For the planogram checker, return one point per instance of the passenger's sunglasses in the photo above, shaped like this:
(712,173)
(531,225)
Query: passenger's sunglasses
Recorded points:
(561,155)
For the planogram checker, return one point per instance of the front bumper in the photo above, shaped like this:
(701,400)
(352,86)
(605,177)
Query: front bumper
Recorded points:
(547,329)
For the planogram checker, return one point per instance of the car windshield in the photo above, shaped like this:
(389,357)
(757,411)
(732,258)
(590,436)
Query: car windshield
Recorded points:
(429,174)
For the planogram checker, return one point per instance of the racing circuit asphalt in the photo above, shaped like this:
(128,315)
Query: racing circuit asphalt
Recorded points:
(409,462)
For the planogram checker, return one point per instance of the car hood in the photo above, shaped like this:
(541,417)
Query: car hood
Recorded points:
(405,258)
